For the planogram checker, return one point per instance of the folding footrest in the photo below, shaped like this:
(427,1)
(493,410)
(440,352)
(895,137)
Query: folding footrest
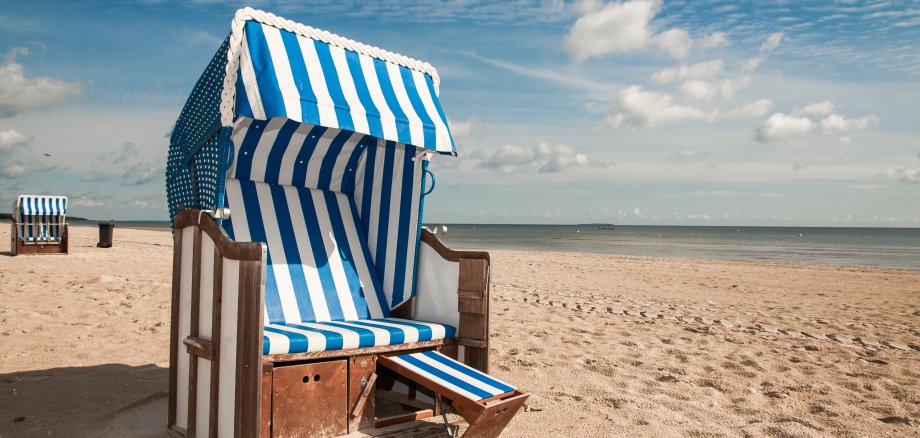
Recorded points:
(486,403)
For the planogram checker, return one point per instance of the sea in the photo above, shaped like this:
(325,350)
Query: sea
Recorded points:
(877,247)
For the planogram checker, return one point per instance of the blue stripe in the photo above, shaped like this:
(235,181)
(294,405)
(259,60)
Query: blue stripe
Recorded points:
(348,262)
(403,133)
(366,338)
(228,224)
(375,279)
(276,154)
(349,179)
(308,107)
(291,252)
(443,376)
(305,155)
(364,95)
(266,79)
(368,190)
(402,240)
(428,128)
(425,333)
(328,163)
(383,218)
(298,341)
(319,254)
(342,110)
(437,105)
(397,336)
(472,372)
(247,149)
(243,107)
(334,340)
(257,234)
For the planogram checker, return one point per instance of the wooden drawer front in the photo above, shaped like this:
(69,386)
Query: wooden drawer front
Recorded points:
(309,400)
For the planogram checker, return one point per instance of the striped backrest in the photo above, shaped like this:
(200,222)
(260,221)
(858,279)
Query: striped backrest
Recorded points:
(40,218)
(318,266)
(284,74)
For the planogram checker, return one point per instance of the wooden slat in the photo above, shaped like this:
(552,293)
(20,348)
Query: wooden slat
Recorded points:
(193,332)
(447,253)
(361,368)
(266,421)
(174,329)
(473,275)
(249,350)
(230,249)
(198,347)
(404,418)
(215,341)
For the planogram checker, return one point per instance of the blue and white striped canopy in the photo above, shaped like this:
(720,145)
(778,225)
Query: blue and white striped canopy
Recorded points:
(40,205)
(283,74)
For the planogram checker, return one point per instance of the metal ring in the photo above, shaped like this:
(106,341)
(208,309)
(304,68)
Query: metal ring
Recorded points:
(430,189)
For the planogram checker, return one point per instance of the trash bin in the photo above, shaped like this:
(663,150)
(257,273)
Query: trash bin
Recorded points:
(105,234)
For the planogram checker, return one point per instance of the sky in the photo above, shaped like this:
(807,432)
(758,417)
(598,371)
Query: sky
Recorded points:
(793,113)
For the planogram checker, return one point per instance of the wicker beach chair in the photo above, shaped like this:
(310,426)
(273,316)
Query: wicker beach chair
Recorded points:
(39,225)
(305,289)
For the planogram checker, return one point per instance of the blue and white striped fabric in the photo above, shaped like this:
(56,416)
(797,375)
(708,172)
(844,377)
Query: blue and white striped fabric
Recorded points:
(388,185)
(40,218)
(286,75)
(466,381)
(317,268)
(342,335)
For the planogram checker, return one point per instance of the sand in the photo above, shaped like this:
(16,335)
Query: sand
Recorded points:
(606,345)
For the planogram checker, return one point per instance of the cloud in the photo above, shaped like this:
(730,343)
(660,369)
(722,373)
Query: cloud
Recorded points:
(781,127)
(86,201)
(766,49)
(675,42)
(815,109)
(704,69)
(462,129)
(19,93)
(122,155)
(143,173)
(21,168)
(94,176)
(752,109)
(713,40)
(686,156)
(543,158)
(611,28)
(903,174)
(698,89)
(646,109)
(12,138)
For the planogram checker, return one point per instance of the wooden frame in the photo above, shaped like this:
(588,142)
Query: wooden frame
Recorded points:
(27,247)
(222,385)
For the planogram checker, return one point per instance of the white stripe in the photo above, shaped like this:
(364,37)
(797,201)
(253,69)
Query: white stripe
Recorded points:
(238,218)
(350,338)
(393,232)
(402,95)
(347,82)
(247,71)
(227,356)
(434,378)
(381,336)
(240,128)
(336,268)
(442,136)
(437,330)
(374,306)
(341,162)
(316,160)
(279,263)
(387,119)
(280,61)
(264,148)
(459,375)
(277,343)
(315,341)
(376,167)
(294,146)
(324,102)
(358,177)
(411,333)
(413,228)
(307,261)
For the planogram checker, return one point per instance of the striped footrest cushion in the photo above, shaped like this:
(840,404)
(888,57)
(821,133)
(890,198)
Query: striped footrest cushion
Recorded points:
(464,380)
(308,337)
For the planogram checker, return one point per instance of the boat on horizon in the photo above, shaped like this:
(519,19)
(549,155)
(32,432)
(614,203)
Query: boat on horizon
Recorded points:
(606,227)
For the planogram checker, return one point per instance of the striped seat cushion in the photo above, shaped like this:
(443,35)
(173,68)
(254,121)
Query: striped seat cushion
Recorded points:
(309,337)
(464,380)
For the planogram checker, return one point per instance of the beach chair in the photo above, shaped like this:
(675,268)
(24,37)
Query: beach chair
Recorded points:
(306,295)
(39,225)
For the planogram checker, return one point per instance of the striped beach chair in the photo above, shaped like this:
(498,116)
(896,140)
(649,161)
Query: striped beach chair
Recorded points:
(296,182)
(39,225)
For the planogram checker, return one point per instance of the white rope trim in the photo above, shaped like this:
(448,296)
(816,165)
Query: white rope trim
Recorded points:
(228,95)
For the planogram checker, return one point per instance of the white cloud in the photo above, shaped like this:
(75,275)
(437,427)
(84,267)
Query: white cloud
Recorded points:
(646,109)
(839,123)
(543,158)
(903,174)
(729,87)
(12,138)
(715,39)
(815,109)
(461,129)
(19,93)
(781,127)
(704,69)
(685,156)
(675,42)
(752,109)
(143,173)
(698,89)
(86,201)
(22,168)
(612,28)
(766,49)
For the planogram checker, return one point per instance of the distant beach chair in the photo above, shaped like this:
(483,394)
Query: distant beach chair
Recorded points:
(305,289)
(39,225)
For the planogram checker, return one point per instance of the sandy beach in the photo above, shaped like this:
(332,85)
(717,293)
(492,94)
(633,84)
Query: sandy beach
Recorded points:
(606,345)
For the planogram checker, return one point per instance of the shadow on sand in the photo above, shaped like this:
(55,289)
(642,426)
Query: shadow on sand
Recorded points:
(76,401)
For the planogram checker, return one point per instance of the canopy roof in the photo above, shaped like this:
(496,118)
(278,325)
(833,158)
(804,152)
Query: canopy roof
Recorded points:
(308,75)
(38,205)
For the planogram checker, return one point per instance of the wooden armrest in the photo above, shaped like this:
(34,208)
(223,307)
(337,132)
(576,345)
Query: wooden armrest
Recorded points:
(470,342)
(202,348)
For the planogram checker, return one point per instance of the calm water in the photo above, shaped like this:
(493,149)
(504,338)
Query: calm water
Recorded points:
(882,247)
